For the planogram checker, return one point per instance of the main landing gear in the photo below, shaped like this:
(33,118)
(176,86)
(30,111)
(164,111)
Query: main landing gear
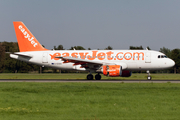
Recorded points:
(149,77)
(97,77)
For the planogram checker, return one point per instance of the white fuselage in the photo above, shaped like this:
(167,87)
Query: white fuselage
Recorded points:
(128,59)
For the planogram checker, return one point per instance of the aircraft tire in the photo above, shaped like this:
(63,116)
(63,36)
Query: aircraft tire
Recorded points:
(149,78)
(98,77)
(89,77)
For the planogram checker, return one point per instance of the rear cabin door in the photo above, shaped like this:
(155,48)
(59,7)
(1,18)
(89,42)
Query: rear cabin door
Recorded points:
(45,58)
(148,57)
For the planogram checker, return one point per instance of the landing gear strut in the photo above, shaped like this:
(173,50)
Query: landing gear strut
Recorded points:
(149,77)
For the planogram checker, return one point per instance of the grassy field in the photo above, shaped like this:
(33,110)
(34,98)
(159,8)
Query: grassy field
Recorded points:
(83,76)
(89,101)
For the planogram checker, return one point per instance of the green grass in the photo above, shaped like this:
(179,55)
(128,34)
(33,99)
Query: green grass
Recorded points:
(89,101)
(83,76)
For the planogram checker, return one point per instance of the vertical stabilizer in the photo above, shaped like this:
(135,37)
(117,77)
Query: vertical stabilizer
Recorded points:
(26,40)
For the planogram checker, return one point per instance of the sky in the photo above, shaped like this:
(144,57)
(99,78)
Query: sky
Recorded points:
(95,24)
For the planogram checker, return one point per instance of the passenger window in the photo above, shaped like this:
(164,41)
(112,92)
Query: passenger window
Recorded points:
(159,56)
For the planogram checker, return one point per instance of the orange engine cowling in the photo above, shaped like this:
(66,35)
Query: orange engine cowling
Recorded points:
(112,70)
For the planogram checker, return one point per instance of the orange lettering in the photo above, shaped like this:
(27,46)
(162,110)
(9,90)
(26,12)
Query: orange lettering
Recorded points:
(138,55)
(129,57)
(93,55)
(65,54)
(83,55)
(55,55)
(101,56)
(74,55)
(109,55)
(118,57)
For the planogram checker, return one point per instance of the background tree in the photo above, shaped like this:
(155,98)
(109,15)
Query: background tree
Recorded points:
(166,51)
(2,57)
(148,48)
(136,48)
(10,46)
(175,55)
(77,48)
(60,47)
(109,48)
(12,65)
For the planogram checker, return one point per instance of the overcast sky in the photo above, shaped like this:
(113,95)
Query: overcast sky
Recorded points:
(95,23)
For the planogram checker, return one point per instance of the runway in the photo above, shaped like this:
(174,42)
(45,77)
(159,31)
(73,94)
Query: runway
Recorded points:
(86,81)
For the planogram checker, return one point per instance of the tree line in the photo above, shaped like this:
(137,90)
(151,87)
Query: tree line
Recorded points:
(9,65)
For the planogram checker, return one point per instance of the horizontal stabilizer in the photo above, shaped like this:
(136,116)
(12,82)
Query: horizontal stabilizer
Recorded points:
(23,55)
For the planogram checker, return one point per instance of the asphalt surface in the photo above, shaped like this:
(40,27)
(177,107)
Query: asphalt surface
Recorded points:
(110,81)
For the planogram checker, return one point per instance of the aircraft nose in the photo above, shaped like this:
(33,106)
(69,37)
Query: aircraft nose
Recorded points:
(171,63)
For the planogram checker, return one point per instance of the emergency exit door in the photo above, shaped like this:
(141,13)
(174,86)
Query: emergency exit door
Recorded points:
(45,58)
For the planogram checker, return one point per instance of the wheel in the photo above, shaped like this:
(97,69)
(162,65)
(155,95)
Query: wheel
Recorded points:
(90,77)
(149,78)
(98,77)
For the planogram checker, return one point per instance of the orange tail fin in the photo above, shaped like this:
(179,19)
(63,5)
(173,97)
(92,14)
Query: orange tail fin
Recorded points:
(26,40)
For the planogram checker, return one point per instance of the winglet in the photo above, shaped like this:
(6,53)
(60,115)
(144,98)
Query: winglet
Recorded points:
(26,40)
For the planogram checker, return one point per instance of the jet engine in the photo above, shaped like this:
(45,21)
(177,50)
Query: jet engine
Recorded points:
(111,70)
(114,71)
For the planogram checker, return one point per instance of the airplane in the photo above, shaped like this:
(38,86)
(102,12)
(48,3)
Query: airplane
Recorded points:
(113,63)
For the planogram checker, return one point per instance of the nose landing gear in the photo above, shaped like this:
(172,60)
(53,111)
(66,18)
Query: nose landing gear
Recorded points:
(149,77)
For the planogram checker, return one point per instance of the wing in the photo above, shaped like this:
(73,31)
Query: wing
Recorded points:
(88,64)
(84,63)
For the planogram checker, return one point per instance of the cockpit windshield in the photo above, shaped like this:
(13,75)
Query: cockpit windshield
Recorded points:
(162,56)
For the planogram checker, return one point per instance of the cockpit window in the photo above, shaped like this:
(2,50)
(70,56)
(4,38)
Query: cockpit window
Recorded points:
(162,56)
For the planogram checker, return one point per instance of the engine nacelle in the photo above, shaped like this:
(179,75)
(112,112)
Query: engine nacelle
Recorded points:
(126,73)
(112,70)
